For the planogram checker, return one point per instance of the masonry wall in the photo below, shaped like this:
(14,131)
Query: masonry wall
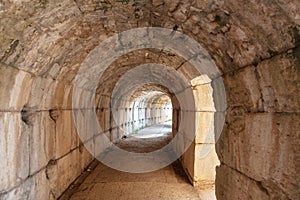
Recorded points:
(259,144)
(132,116)
(255,44)
(41,153)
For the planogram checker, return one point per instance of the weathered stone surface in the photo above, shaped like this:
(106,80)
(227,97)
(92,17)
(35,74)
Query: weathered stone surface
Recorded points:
(188,162)
(13,82)
(254,43)
(206,161)
(203,95)
(205,130)
(263,147)
(245,92)
(66,137)
(280,83)
(42,141)
(237,185)
(35,187)
(14,151)
(41,94)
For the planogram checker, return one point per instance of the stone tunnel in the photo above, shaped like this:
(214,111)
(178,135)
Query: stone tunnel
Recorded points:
(231,96)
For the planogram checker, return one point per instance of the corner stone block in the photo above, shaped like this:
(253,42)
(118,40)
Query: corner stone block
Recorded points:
(205,127)
(206,161)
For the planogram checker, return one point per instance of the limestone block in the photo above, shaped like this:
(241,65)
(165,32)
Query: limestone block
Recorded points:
(206,161)
(189,71)
(125,129)
(119,116)
(203,96)
(102,142)
(188,162)
(264,147)
(200,80)
(231,184)
(66,135)
(62,97)
(104,119)
(86,156)
(61,173)
(15,88)
(87,125)
(14,150)
(42,141)
(205,130)
(75,165)
(245,91)
(41,93)
(204,127)
(41,188)
(280,83)
(7,75)
(35,187)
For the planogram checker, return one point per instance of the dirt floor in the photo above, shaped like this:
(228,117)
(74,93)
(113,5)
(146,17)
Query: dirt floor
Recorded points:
(100,182)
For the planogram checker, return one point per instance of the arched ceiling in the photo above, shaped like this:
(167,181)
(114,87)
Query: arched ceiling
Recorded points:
(52,38)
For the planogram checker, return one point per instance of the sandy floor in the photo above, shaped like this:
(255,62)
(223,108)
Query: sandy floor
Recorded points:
(169,183)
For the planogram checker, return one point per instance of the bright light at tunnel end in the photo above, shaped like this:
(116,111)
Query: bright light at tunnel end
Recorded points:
(83,100)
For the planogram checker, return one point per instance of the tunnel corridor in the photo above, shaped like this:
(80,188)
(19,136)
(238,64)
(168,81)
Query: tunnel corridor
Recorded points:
(102,182)
(86,84)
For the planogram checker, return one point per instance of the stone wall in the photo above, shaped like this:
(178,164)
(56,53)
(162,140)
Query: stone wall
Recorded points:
(255,44)
(143,110)
(39,143)
(258,147)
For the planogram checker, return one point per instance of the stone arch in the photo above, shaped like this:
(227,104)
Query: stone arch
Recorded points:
(43,44)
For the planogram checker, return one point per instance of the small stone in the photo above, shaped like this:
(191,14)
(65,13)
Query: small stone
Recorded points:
(157,3)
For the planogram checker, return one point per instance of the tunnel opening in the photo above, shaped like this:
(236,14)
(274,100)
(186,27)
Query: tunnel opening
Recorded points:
(149,117)
(45,43)
(150,108)
(127,106)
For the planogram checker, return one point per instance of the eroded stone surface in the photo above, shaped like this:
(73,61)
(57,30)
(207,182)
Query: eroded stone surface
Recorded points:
(255,45)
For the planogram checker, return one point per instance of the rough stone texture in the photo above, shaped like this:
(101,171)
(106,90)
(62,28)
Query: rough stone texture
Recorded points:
(254,43)
(206,161)
(268,155)
(263,146)
(279,82)
(240,186)
(42,141)
(14,81)
(15,151)
(246,91)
